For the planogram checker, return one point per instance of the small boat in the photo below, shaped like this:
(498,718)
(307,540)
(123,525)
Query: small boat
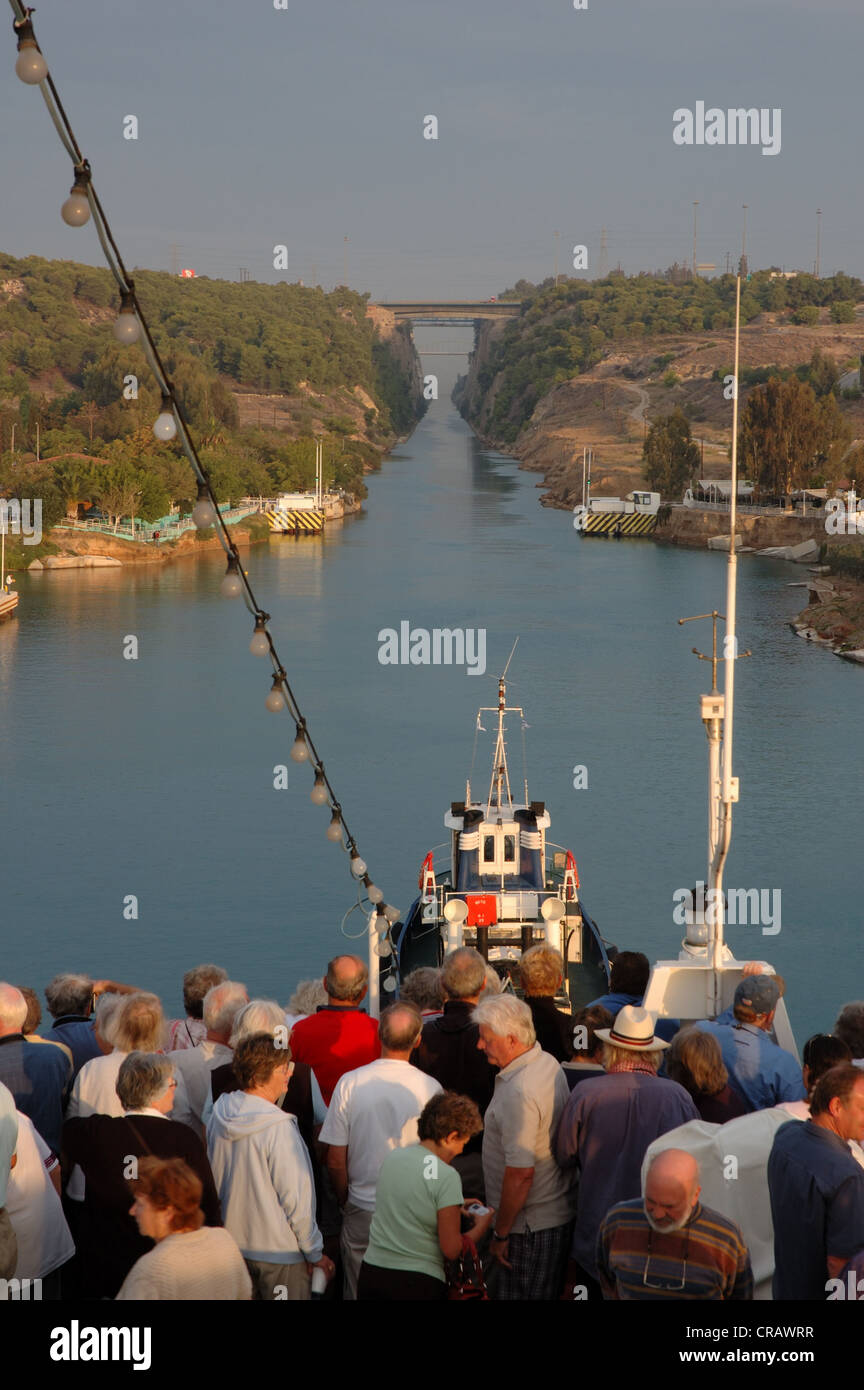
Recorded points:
(503,887)
(633,515)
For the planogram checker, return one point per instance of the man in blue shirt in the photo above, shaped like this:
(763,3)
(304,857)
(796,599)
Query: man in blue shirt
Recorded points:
(760,1072)
(628,981)
(817,1188)
(70,1002)
(37,1076)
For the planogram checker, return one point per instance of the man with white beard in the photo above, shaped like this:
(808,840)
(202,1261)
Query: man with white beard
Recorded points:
(667,1245)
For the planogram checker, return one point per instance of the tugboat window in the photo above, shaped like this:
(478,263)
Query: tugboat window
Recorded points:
(488,849)
(509,849)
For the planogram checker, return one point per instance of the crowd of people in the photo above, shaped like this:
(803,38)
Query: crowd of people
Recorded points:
(470,1143)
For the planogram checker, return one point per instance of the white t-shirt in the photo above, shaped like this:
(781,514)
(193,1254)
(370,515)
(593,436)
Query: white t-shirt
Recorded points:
(374,1110)
(95,1089)
(44,1239)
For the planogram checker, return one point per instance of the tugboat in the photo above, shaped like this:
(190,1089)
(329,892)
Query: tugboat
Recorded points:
(504,888)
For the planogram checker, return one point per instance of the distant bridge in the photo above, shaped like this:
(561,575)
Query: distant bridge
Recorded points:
(449,311)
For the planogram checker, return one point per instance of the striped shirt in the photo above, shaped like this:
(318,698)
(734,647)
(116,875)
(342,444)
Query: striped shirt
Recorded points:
(706,1259)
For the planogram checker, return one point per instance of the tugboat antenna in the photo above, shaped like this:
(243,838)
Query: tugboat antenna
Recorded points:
(509,659)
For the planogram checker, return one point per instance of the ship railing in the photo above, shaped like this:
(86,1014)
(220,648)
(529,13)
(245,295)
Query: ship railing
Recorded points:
(514,904)
(147,531)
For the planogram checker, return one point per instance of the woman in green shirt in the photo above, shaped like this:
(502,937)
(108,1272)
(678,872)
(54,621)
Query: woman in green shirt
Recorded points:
(419,1206)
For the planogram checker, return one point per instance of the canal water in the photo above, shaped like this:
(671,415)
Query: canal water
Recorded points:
(153,779)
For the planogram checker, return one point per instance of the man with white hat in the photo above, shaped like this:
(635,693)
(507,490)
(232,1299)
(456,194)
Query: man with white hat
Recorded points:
(607,1126)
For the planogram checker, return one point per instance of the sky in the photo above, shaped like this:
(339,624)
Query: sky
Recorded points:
(302,126)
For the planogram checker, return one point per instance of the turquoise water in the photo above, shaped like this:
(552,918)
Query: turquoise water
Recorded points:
(154,777)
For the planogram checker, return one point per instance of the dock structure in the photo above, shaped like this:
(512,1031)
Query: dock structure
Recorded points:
(295,520)
(610,523)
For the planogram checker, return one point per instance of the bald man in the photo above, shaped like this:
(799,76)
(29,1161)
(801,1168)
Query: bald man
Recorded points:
(339,1037)
(37,1076)
(666,1245)
(373,1111)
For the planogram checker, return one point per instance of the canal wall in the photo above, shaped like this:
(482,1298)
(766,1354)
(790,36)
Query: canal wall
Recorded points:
(692,526)
(91,545)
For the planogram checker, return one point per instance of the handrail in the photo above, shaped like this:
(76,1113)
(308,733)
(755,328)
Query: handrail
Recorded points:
(145,531)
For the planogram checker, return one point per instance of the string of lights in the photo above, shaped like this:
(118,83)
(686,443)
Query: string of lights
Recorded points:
(130,327)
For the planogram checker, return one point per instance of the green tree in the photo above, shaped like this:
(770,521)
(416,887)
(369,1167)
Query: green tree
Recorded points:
(787,438)
(670,457)
(842,311)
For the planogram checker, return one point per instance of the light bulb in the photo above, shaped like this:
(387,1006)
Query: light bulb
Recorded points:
(374,894)
(392,914)
(358,866)
(300,748)
(389,984)
(127,329)
(383,948)
(232,584)
(275,700)
(30,65)
(204,513)
(76,209)
(165,426)
(319,795)
(259,646)
(334,829)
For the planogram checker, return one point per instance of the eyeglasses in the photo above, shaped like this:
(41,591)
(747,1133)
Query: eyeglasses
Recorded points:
(665,1285)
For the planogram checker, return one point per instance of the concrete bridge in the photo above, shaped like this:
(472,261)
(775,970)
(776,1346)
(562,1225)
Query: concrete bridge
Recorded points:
(452,311)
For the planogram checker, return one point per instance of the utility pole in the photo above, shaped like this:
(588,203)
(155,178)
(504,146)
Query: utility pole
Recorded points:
(744,241)
(818,241)
(603,257)
(556,236)
(695,214)
(728,261)
(345,260)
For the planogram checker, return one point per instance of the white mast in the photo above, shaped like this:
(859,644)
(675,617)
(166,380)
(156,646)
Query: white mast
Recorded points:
(728,783)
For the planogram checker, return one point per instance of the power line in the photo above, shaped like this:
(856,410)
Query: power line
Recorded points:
(236,581)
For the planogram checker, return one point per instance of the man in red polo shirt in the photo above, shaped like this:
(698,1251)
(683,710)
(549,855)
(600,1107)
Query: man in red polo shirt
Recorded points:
(340,1037)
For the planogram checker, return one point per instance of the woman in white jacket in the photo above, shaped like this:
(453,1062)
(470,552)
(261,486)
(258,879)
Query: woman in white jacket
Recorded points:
(263,1175)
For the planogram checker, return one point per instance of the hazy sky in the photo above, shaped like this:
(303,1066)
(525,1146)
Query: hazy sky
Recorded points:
(302,126)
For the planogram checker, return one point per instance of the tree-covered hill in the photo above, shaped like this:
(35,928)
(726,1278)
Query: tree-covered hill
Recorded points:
(566,329)
(323,366)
